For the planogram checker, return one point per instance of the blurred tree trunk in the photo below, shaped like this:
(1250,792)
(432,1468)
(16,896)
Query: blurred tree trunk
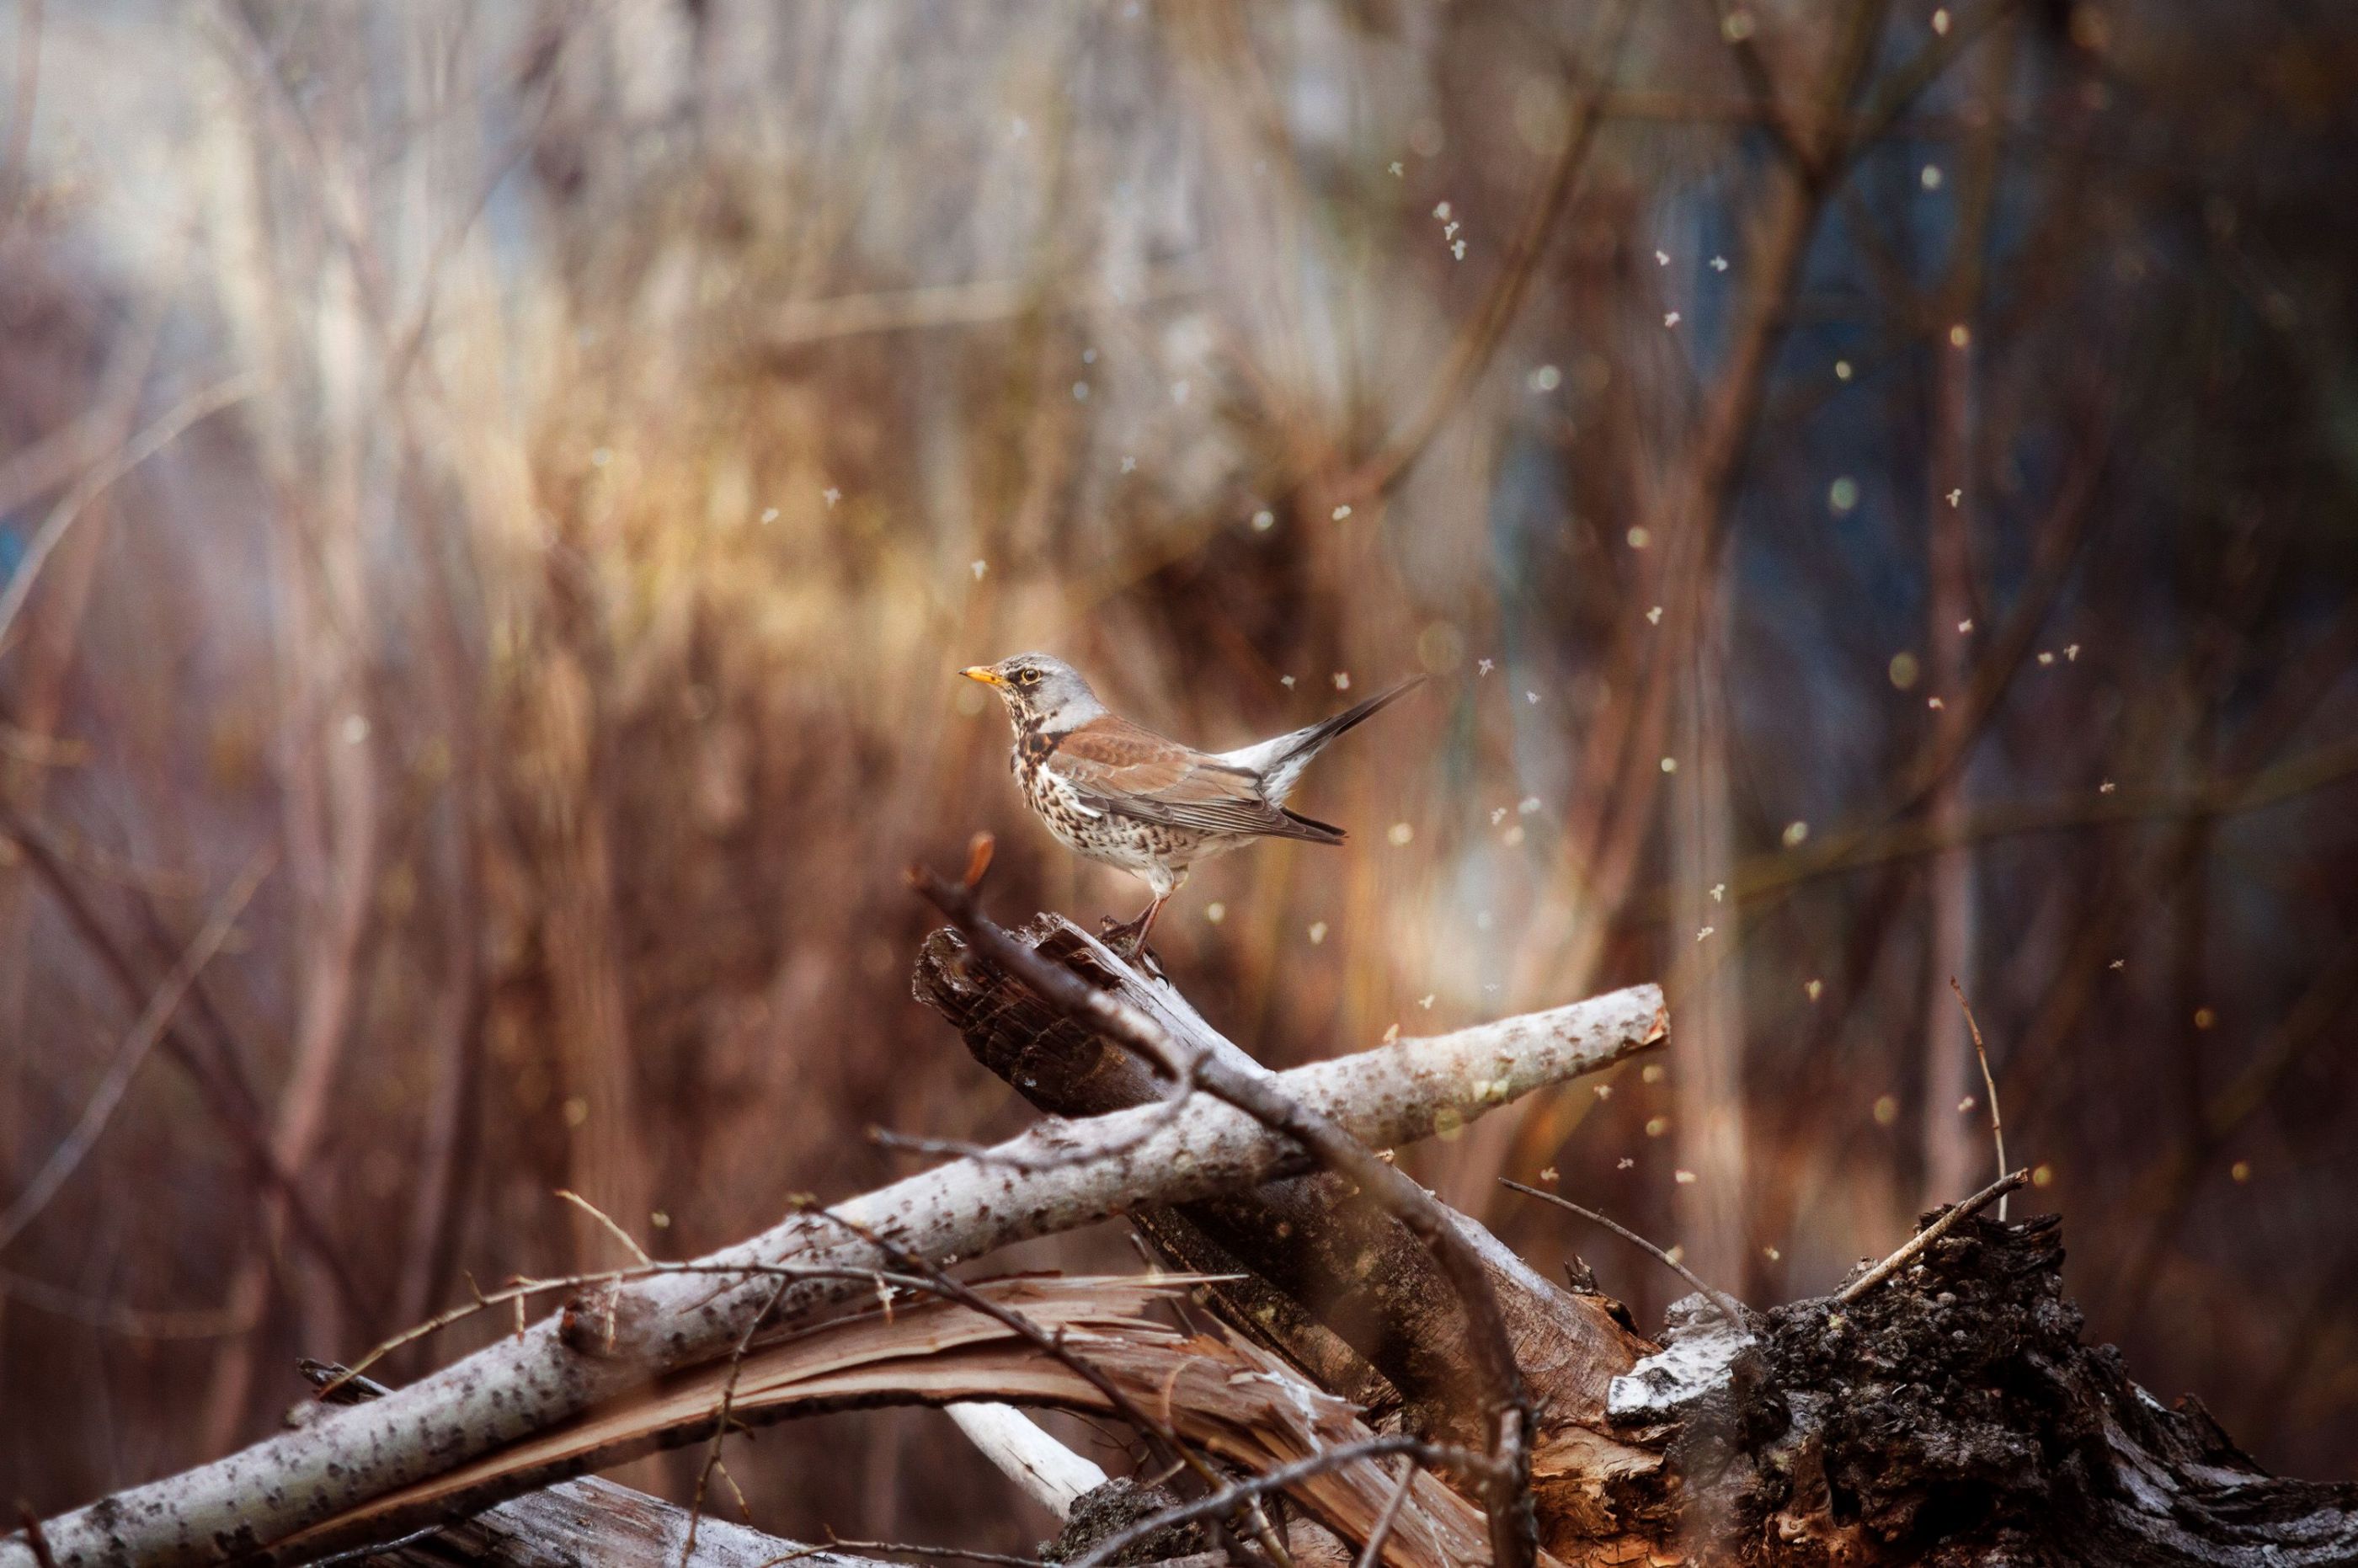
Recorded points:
(1707,983)
(51,623)
(1954,1149)
(333,813)
(606,1162)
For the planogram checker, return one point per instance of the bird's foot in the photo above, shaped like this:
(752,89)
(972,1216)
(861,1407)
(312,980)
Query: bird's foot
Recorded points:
(1128,939)
(1124,936)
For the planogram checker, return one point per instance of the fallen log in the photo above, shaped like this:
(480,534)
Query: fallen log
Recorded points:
(1340,1289)
(612,1341)
(1939,1409)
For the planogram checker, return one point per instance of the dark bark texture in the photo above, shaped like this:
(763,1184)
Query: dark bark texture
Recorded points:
(1953,1416)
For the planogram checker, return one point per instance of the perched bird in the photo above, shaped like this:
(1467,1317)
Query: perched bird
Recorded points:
(1129,797)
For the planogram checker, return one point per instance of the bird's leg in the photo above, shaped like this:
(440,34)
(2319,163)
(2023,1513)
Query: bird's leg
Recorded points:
(1129,937)
(1146,922)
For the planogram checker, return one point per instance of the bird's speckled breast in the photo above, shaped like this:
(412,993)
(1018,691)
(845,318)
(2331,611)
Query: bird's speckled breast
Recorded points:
(1145,848)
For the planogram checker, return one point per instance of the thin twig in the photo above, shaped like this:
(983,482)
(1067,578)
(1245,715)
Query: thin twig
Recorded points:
(1932,1233)
(523,1289)
(720,1422)
(1275,1480)
(361,1554)
(1729,1307)
(834,1542)
(138,451)
(602,1218)
(1504,1480)
(1997,1127)
(745,1505)
(34,1538)
(133,1053)
(1373,1554)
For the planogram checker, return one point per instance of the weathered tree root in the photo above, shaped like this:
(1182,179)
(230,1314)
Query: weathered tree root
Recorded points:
(1953,1416)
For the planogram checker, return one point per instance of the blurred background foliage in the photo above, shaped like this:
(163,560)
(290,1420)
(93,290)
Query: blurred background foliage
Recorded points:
(493,498)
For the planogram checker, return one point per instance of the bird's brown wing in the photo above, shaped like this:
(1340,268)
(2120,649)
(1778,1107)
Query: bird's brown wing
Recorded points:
(1116,766)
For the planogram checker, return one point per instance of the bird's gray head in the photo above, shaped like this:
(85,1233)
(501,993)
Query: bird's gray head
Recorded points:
(1040,692)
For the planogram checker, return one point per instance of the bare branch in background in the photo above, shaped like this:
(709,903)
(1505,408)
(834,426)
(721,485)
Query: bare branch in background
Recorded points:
(1372,1556)
(1477,340)
(133,1052)
(234,1115)
(158,435)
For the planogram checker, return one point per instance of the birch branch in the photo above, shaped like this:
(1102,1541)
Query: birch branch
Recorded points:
(237,1507)
(1327,1277)
(567,1524)
(590,1520)
(1050,1474)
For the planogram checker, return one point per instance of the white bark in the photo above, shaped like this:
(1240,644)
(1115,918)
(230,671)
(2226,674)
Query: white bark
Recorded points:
(1050,1474)
(590,1520)
(1389,1096)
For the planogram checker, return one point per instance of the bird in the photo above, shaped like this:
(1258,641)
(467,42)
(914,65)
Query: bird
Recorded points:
(1120,793)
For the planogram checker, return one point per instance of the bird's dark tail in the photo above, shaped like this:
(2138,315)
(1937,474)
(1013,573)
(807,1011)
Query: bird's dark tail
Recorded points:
(1281,761)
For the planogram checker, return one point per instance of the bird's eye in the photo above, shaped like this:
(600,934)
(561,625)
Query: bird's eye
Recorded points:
(1027,675)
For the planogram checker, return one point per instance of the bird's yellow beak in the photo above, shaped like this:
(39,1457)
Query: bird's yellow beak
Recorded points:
(984,674)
